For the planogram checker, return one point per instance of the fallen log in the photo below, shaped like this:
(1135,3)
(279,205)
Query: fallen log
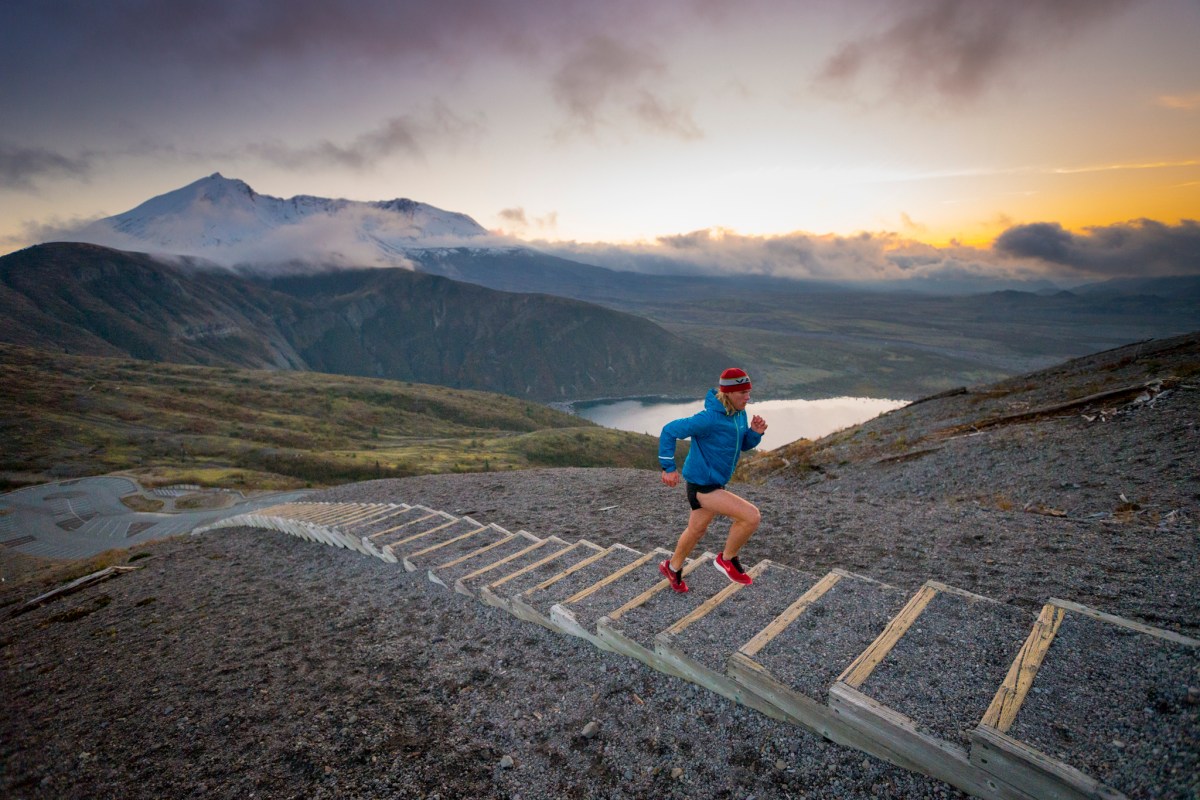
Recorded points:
(1025,416)
(72,587)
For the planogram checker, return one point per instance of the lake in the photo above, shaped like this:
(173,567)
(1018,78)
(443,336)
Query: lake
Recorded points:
(787,420)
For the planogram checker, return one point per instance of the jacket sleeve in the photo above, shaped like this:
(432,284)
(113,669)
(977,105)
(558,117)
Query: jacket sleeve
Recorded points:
(673,431)
(750,439)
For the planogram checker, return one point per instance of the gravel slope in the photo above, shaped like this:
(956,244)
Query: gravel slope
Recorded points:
(246,663)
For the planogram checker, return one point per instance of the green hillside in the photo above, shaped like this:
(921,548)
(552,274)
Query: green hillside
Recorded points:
(67,416)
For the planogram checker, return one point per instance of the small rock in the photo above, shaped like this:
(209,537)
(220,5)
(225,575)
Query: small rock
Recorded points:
(866,763)
(677,773)
(591,729)
(780,765)
(1117,743)
(506,762)
(1193,695)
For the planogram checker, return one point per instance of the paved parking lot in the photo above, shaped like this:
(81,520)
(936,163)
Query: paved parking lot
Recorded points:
(81,517)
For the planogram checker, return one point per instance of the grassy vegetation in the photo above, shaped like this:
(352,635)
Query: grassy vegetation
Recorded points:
(67,416)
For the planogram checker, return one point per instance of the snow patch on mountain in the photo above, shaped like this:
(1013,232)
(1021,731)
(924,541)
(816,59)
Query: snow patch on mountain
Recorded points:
(224,221)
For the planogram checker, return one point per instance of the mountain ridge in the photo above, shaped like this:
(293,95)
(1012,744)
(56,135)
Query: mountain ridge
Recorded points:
(388,323)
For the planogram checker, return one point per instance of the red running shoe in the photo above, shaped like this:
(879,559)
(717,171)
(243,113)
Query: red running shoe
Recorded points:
(674,576)
(732,569)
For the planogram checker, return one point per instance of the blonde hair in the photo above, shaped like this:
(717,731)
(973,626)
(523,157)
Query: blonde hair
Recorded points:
(726,402)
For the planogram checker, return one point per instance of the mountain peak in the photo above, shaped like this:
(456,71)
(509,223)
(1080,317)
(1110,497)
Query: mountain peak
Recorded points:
(225,221)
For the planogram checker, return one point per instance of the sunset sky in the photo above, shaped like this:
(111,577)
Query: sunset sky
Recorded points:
(1072,127)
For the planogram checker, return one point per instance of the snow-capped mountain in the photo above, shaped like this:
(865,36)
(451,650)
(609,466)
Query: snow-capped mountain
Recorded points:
(224,221)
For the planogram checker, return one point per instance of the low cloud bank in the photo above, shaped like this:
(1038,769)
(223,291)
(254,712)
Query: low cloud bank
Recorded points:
(364,237)
(1142,248)
(1041,251)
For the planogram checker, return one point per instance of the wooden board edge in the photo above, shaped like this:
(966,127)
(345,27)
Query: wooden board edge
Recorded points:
(898,734)
(1032,771)
(1134,625)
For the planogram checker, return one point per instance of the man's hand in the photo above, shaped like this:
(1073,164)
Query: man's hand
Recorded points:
(758,424)
(671,478)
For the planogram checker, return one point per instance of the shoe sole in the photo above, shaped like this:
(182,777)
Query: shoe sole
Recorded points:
(732,579)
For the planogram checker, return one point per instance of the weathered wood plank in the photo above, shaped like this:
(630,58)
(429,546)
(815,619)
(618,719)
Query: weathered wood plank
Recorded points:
(688,569)
(404,524)
(860,669)
(74,586)
(935,757)
(1032,771)
(1127,623)
(1007,702)
(616,576)
(764,637)
(716,600)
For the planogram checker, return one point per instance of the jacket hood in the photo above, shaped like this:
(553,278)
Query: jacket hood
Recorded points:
(713,403)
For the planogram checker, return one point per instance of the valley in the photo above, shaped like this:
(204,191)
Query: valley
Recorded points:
(70,416)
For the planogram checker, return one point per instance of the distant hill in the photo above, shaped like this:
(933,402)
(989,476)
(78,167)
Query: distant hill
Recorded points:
(385,323)
(67,416)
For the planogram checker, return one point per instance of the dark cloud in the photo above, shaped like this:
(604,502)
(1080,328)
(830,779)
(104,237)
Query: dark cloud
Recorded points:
(604,79)
(955,49)
(659,115)
(408,135)
(514,216)
(1141,248)
(141,58)
(22,167)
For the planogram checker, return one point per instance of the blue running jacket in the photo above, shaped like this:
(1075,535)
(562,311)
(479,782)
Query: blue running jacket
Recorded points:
(718,440)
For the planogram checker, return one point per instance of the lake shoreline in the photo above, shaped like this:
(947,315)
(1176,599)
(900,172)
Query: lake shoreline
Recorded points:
(788,419)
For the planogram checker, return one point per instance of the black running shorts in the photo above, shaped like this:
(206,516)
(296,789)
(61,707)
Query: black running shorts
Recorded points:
(700,488)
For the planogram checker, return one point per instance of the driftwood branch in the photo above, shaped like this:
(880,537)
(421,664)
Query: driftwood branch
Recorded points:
(1044,411)
(74,586)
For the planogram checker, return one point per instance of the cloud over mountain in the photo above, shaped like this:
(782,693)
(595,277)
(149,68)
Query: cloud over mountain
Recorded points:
(226,222)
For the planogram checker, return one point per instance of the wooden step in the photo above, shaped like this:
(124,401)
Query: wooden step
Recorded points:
(379,512)
(1096,706)
(700,644)
(631,628)
(460,539)
(402,533)
(794,660)
(394,516)
(500,592)
(927,680)
(395,526)
(473,581)
(578,614)
(446,572)
(534,604)
(427,538)
(335,513)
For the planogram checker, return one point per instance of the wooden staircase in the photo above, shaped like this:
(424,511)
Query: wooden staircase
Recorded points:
(944,682)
